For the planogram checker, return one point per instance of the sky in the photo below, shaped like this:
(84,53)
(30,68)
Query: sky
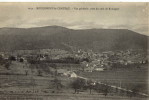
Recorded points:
(132,16)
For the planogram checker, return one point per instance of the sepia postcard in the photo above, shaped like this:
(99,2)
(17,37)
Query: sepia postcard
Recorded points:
(74,51)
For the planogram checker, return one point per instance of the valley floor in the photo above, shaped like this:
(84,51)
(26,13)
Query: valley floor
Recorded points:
(64,97)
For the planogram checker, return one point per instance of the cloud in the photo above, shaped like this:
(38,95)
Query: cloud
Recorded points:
(129,16)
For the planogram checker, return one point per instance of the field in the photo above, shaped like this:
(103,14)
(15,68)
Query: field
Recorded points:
(22,87)
(126,78)
(65,97)
(17,86)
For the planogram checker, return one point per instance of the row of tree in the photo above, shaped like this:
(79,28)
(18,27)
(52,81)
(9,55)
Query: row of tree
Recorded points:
(82,84)
(73,60)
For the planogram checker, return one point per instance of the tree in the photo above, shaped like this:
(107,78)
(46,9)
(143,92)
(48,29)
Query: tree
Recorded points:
(53,66)
(105,90)
(26,72)
(21,60)
(39,73)
(98,87)
(78,84)
(135,90)
(91,85)
(1,60)
(57,83)
(7,64)
(12,58)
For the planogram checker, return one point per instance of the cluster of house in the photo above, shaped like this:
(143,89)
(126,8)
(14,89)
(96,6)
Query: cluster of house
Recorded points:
(97,61)
(104,60)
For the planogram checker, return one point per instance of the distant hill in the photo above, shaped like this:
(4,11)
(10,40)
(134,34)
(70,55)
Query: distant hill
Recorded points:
(64,38)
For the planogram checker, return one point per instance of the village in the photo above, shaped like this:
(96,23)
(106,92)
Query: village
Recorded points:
(77,69)
(89,60)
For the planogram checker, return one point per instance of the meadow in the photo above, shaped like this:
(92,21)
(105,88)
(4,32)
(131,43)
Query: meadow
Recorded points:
(125,78)
(43,86)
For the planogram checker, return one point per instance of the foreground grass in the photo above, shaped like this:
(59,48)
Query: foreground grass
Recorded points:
(65,97)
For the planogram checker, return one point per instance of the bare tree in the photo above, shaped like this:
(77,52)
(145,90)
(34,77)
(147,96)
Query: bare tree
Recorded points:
(26,72)
(39,73)
(91,85)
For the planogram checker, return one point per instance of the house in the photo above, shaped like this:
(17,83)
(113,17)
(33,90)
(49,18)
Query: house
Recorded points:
(61,72)
(99,69)
(89,69)
(70,74)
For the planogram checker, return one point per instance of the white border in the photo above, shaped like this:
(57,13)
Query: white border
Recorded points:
(74,0)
